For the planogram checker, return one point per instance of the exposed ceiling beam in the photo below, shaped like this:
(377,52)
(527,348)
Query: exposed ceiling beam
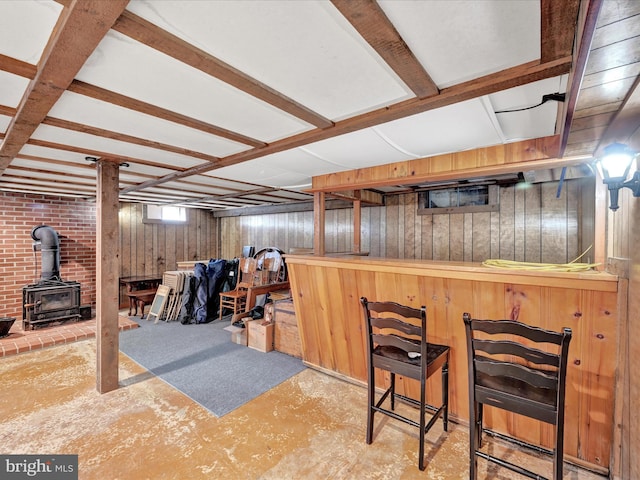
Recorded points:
(234,195)
(585,31)
(99,132)
(104,95)
(8,111)
(46,190)
(90,167)
(17,67)
(53,180)
(79,30)
(53,161)
(374,26)
(103,155)
(300,206)
(52,173)
(492,83)
(146,32)
(558,28)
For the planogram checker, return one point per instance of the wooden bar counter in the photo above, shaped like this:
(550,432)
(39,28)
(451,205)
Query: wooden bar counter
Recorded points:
(326,292)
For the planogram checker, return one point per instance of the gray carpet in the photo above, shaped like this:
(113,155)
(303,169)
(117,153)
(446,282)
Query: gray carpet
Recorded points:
(203,363)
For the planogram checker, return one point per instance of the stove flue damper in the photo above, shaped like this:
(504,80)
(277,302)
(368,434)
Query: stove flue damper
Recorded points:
(51,299)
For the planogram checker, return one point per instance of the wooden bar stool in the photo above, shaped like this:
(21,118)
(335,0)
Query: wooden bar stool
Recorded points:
(509,370)
(397,343)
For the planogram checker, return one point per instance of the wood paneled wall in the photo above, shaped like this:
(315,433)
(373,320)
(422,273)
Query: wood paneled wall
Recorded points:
(632,420)
(153,248)
(532,225)
(623,238)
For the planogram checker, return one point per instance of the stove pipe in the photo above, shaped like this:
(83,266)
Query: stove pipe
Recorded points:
(47,242)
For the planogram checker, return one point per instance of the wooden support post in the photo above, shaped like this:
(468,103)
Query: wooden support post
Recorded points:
(357,223)
(318,223)
(107,266)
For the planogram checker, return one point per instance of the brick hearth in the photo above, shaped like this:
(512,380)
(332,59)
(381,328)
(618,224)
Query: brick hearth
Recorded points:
(19,341)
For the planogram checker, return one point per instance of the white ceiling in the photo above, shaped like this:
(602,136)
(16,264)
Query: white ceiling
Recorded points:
(304,51)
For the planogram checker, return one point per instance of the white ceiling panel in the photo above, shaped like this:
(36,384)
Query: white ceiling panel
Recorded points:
(289,169)
(265,172)
(304,49)
(26,40)
(534,122)
(113,147)
(52,179)
(202,189)
(457,127)
(363,148)
(81,109)
(213,181)
(53,154)
(146,170)
(525,125)
(12,88)
(125,66)
(4,123)
(458,40)
(299,160)
(148,197)
(140,171)
(80,170)
(181,192)
(290,180)
(527,95)
(54,189)
(131,177)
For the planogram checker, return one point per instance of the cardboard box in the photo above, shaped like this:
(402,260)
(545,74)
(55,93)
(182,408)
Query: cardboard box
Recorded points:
(238,334)
(260,335)
(240,337)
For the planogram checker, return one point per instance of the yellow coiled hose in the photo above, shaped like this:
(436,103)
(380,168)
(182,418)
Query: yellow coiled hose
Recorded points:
(572,266)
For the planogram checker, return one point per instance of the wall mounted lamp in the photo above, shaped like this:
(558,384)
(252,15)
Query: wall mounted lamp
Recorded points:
(614,167)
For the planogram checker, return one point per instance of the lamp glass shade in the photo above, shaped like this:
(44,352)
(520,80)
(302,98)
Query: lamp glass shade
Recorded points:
(616,162)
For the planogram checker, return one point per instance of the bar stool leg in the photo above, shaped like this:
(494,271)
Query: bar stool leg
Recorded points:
(393,391)
(423,402)
(558,454)
(473,440)
(445,396)
(371,399)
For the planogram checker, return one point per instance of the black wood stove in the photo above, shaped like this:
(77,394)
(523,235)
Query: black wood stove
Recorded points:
(51,299)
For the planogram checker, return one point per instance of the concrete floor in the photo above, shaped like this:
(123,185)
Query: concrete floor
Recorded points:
(310,427)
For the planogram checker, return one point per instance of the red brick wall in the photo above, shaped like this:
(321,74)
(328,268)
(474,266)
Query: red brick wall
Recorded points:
(73,219)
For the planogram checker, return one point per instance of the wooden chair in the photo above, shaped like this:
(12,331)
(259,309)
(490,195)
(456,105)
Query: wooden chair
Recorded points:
(236,299)
(397,343)
(509,370)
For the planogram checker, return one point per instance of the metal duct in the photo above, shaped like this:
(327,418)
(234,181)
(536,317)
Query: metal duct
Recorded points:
(47,242)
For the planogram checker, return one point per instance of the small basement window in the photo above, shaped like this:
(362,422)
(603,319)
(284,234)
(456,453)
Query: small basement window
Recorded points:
(464,199)
(164,214)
